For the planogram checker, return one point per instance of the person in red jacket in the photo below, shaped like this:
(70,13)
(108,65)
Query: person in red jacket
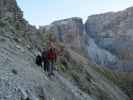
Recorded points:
(51,59)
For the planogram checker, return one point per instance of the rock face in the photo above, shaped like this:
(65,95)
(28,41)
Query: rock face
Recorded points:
(11,19)
(116,25)
(10,8)
(99,55)
(113,32)
(68,31)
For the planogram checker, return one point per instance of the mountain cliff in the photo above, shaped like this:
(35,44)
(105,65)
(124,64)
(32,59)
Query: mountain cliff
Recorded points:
(106,38)
(68,31)
(113,32)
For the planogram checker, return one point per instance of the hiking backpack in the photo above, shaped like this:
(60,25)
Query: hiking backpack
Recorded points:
(39,60)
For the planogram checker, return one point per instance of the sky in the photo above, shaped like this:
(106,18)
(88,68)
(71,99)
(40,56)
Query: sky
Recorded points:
(44,12)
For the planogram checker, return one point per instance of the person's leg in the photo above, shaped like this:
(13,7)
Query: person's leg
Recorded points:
(47,66)
(41,65)
(44,66)
(52,67)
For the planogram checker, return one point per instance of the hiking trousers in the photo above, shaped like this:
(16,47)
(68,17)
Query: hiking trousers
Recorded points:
(46,65)
(51,67)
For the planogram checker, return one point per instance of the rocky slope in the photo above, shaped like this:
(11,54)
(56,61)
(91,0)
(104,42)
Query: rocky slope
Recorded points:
(21,79)
(11,18)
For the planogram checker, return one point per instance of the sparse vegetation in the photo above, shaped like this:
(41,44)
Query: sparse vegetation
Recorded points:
(122,80)
(106,73)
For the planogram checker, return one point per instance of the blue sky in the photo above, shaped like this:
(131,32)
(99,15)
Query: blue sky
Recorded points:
(43,12)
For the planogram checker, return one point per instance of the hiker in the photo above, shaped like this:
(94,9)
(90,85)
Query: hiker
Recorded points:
(45,59)
(39,60)
(51,59)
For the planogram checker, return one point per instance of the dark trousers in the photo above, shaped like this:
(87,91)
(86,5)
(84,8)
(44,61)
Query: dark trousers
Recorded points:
(46,66)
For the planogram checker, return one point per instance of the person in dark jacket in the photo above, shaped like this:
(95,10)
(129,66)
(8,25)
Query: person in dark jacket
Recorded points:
(45,59)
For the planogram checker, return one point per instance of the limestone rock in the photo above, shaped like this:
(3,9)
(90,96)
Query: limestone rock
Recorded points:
(68,31)
(113,32)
